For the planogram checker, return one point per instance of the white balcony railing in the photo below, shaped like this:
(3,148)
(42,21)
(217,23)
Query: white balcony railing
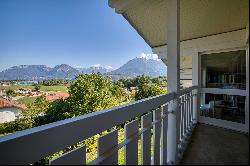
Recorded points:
(31,145)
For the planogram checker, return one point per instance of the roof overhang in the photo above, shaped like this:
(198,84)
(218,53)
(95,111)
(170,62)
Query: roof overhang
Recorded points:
(198,18)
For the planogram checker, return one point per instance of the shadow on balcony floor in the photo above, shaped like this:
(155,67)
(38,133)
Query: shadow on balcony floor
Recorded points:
(212,145)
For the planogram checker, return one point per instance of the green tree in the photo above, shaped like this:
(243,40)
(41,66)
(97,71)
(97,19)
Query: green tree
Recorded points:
(10,92)
(56,110)
(148,90)
(127,83)
(37,87)
(16,125)
(160,81)
(119,92)
(91,92)
(88,93)
(141,80)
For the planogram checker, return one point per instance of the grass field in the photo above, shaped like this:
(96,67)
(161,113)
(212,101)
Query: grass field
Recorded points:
(62,88)
(27,100)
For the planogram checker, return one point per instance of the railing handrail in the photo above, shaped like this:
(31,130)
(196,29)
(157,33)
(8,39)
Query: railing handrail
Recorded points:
(186,90)
(31,145)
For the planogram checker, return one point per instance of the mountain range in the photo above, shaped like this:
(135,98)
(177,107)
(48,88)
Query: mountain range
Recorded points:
(133,68)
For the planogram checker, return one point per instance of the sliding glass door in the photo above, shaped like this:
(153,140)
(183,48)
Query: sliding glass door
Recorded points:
(223,89)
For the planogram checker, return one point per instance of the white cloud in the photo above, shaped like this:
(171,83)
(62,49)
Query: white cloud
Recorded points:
(149,56)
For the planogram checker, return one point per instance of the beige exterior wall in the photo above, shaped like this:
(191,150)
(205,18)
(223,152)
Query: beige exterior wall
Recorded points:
(215,43)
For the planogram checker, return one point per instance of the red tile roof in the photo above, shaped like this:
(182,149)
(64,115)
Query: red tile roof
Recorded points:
(56,95)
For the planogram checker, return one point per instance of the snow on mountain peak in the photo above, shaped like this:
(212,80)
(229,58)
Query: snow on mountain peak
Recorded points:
(77,66)
(20,67)
(96,65)
(108,67)
(104,67)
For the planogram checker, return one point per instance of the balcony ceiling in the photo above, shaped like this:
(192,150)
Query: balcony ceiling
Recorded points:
(198,18)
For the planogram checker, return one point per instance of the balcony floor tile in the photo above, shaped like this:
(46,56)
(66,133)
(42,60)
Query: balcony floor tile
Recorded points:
(213,145)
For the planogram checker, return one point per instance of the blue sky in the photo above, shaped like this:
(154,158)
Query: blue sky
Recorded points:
(75,32)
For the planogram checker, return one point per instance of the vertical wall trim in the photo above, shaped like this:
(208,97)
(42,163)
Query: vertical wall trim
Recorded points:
(247,89)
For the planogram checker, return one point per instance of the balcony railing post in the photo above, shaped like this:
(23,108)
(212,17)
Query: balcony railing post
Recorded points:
(172,133)
(195,105)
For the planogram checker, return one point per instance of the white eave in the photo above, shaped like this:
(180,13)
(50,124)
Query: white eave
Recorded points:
(198,18)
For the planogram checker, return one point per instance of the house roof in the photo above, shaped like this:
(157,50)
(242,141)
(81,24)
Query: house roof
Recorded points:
(198,18)
(56,95)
